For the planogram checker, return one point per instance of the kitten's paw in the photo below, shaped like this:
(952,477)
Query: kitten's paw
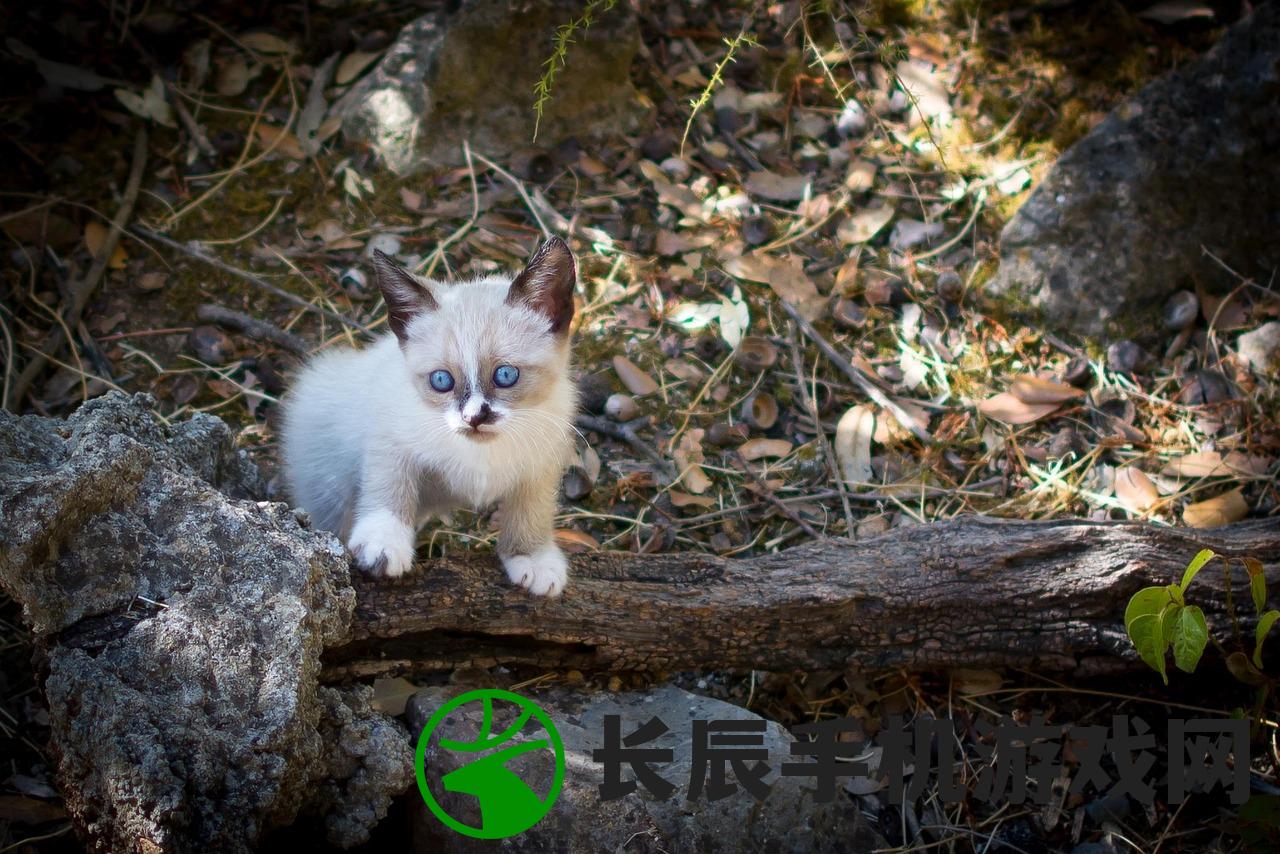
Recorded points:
(382,545)
(543,573)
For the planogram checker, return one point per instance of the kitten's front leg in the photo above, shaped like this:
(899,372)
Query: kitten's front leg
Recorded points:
(383,535)
(526,544)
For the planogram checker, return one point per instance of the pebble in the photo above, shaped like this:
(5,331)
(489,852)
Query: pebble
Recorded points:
(593,392)
(677,168)
(1206,387)
(210,345)
(950,286)
(757,230)
(621,407)
(728,120)
(1261,347)
(1124,357)
(354,281)
(658,146)
(1181,310)
(852,120)
(575,485)
(387,244)
(1078,373)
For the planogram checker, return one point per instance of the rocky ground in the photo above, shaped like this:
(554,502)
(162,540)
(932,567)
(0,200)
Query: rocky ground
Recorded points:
(858,163)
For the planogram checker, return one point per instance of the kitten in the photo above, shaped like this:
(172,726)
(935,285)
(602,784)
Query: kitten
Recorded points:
(466,401)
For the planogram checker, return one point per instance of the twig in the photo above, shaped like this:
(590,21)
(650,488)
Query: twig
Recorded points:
(193,129)
(764,490)
(519,187)
(82,290)
(797,360)
(195,249)
(626,433)
(260,330)
(868,388)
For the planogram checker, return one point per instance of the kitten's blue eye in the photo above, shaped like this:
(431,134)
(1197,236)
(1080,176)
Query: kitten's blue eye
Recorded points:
(441,381)
(506,376)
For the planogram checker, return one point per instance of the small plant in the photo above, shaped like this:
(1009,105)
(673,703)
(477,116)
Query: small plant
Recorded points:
(560,49)
(1158,619)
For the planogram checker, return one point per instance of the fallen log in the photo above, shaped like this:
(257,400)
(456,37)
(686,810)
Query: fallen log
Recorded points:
(972,592)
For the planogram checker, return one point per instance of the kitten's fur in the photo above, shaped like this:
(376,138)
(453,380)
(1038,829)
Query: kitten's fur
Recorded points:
(372,450)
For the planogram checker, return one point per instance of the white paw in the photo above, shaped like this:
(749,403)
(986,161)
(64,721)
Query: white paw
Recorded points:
(382,545)
(543,573)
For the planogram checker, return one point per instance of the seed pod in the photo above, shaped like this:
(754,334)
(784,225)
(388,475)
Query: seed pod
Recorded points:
(760,410)
(757,352)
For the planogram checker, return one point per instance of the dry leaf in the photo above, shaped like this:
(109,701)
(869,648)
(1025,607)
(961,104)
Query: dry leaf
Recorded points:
(679,197)
(234,76)
(151,104)
(278,140)
(1009,409)
(351,66)
(1134,490)
(786,276)
(576,542)
(757,449)
(968,680)
(778,188)
(1033,389)
(410,199)
(1213,464)
(95,238)
(152,281)
(684,499)
(688,457)
(637,381)
(390,696)
(853,444)
(864,225)
(266,43)
(1222,510)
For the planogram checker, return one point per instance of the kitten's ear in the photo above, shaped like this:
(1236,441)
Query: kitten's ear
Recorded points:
(406,297)
(546,284)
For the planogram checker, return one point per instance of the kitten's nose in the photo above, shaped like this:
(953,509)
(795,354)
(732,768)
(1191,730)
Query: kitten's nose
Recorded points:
(482,416)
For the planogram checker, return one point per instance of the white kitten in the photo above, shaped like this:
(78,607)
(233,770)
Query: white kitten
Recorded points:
(467,401)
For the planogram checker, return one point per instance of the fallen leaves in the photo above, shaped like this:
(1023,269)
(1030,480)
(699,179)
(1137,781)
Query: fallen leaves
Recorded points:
(853,444)
(1135,491)
(637,381)
(1028,399)
(786,276)
(1220,510)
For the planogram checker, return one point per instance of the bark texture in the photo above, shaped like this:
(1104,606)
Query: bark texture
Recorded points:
(972,592)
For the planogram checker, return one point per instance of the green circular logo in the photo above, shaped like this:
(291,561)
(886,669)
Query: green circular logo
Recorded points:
(508,805)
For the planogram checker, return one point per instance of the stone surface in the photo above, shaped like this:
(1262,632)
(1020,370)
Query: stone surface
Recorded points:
(470,75)
(1261,348)
(1120,220)
(787,820)
(179,629)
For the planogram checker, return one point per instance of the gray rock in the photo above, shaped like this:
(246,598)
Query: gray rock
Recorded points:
(787,820)
(1261,348)
(180,631)
(470,75)
(1119,221)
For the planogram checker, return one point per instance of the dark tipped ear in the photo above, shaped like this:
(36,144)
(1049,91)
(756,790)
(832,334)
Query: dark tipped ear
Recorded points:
(546,284)
(406,297)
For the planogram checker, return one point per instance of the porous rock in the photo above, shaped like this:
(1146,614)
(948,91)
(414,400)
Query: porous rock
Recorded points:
(786,820)
(178,626)
(471,75)
(1121,220)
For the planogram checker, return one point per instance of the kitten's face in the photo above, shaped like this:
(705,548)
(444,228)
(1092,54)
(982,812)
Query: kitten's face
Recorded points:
(484,355)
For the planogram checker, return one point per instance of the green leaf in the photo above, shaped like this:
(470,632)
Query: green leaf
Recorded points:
(1258,589)
(1168,619)
(1197,563)
(1149,601)
(1190,637)
(1144,631)
(1264,626)
(1242,668)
